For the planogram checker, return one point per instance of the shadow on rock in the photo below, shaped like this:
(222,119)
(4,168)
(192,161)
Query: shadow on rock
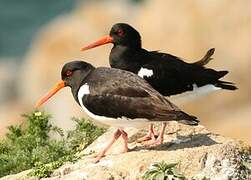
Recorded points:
(182,142)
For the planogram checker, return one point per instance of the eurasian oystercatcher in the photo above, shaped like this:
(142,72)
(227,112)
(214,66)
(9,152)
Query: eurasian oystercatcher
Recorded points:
(117,98)
(167,74)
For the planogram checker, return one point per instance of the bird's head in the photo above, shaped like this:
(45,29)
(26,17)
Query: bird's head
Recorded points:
(72,75)
(120,34)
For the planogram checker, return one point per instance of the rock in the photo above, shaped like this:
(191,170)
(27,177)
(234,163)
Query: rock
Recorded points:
(198,152)
(20,176)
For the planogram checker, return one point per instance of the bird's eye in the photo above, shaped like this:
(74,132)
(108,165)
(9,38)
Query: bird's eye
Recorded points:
(120,32)
(68,73)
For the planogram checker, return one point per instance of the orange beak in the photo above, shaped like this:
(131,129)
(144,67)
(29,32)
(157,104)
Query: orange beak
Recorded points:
(53,91)
(102,41)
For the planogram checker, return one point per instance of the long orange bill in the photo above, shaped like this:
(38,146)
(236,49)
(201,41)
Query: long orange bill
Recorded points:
(53,91)
(102,41)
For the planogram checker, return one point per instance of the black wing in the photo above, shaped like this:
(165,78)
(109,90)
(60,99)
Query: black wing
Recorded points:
(117,106)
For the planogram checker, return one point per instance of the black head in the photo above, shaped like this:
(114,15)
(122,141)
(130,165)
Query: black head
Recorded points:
(126,35)
(73,74)
(120,34)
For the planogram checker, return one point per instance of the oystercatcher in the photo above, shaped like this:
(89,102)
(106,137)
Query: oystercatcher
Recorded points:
(167,74)
(117,98)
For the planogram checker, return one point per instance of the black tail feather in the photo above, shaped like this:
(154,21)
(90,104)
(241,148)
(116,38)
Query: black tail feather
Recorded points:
(226,82)
(226,85)
(221,74)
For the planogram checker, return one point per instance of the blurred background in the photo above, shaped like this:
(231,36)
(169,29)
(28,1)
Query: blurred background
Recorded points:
(38,37)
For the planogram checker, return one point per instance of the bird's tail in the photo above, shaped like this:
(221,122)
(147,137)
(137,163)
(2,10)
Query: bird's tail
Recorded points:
(206,59)
(226,85)
(187,119)
(221,74)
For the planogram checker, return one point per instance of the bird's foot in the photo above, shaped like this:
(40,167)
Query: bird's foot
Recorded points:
(155,142)
(125,150)
(96,158)
(147,137)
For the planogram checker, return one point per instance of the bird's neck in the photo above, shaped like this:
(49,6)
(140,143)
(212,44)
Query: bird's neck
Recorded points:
(121,56)
(80,80)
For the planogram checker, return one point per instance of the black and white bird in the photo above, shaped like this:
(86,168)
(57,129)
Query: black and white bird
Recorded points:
(167,74)
(117,98)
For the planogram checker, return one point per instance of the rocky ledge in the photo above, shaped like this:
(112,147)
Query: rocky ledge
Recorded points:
(198,152)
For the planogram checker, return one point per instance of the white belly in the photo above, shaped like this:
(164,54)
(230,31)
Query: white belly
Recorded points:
(196,93)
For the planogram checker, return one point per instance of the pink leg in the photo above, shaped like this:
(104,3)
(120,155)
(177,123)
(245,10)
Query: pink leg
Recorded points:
(151,135)
(125,138)
(160,138)
(116,135)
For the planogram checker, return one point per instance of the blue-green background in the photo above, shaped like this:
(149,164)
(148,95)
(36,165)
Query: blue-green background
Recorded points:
(21,19)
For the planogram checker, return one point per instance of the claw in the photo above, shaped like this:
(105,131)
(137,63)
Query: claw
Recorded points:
(151,135)
(147,137)
(156,142)
(125,150)
(116,135)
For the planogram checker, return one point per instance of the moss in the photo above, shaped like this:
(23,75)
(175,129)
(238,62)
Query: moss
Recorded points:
(29,146)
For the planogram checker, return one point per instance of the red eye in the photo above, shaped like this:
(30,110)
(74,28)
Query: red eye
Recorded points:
(120,32)
(68,73)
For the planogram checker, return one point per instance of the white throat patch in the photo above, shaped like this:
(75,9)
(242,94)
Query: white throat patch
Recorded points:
(83,90)
(145,72)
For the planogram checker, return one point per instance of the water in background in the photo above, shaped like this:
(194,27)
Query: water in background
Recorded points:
(20,20)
